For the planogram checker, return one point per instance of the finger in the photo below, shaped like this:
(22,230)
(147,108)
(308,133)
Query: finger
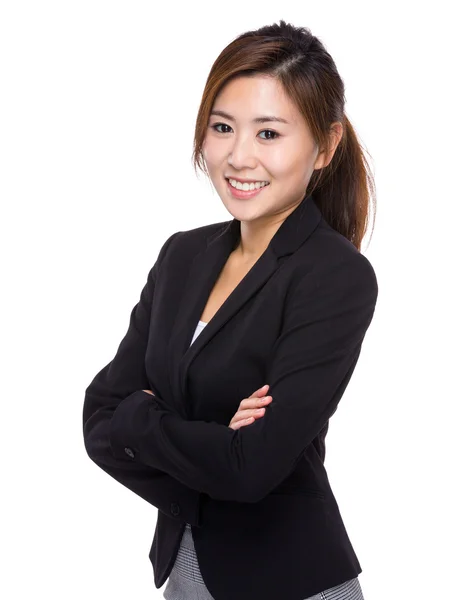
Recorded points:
(257,394)
(239,416)
(241,423)
(243,415)
(255,402)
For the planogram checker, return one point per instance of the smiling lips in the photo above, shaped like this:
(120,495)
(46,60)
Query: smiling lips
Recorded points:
(246,190)
(247,186)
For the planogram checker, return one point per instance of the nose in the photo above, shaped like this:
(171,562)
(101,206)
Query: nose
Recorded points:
(242,155)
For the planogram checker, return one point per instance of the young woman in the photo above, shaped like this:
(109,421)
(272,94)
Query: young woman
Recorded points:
(275,301)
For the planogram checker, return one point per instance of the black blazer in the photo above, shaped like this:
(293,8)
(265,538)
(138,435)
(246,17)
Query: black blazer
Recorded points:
(264,518)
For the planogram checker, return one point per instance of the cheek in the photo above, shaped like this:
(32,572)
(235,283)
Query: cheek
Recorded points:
(290,165)
(212,152)
(281,161)
(205,149)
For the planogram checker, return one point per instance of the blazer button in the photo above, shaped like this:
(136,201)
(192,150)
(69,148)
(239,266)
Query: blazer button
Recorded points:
(130,452)
(175,509)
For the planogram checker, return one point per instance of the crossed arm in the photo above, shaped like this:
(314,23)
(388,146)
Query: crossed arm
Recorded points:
(326,319)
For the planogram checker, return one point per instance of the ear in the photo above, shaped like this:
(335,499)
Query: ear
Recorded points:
(324,157)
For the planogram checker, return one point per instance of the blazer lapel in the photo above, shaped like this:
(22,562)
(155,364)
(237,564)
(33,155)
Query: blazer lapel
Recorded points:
(203,274)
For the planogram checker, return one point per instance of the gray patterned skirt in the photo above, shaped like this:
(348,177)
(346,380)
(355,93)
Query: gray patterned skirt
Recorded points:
(186,583)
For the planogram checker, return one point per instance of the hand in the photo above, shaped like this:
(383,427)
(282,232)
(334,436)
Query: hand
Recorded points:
(149,392)
(248,410)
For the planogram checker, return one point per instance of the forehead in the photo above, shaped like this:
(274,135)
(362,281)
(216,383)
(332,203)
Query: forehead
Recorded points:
(248,97)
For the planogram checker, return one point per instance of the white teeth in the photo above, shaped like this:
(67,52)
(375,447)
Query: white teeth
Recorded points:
(247,186)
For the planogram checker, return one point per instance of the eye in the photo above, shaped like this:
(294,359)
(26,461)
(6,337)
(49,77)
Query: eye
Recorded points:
(275,133)
(270,131)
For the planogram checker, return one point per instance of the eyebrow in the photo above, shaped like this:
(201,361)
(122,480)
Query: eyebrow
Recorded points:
(265,119)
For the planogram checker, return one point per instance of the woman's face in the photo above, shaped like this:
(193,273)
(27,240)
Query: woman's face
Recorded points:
(284,154)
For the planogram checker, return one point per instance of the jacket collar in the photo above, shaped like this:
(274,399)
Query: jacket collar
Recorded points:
(203,274)
(288,238)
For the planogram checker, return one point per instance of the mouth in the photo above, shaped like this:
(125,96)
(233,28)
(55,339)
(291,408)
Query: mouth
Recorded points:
(240,194)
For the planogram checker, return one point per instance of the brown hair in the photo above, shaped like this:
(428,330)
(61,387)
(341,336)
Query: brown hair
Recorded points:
(307,72)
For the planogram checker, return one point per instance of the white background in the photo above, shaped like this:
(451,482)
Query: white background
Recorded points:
(97,111)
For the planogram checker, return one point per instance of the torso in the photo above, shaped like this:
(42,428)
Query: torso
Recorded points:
(230,276)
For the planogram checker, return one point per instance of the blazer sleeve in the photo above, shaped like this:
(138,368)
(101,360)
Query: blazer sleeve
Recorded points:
(326,317)
(122,381)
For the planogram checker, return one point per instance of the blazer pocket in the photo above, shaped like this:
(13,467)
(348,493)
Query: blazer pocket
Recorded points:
(290,488)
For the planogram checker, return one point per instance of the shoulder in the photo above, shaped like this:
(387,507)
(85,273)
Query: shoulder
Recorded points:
(188,242)
(197,235)
(328,260)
